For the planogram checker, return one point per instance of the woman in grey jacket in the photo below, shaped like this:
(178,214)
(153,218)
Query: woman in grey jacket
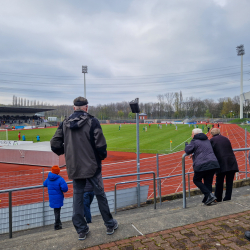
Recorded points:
(204,164)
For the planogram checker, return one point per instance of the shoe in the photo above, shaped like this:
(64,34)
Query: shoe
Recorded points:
(111,230)
(247,235)
(58,227)
(210,199)
(83,235)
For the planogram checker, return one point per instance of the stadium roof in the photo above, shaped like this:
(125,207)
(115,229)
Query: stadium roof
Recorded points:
(22,110)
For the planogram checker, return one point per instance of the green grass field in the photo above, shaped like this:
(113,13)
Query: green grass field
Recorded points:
(153,141)
(245,126)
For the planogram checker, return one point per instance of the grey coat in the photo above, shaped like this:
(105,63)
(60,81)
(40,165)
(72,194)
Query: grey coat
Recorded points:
(203,154)
(81,139)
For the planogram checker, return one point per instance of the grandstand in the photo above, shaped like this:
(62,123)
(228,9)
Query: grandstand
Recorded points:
(15,116)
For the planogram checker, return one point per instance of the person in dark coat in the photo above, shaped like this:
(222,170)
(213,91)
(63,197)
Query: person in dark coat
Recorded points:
(228,165)
(56,187)
(204,164)
(80,138)
(88,197)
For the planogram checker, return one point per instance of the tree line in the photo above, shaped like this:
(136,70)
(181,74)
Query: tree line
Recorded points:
(171,105)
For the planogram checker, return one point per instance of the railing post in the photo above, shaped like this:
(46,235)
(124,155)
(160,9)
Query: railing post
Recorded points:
(10,214)
(115,200)
(43,202)
(188,185)
(184,181)
(157,172)
(154,192)
(246,150)
(160,190)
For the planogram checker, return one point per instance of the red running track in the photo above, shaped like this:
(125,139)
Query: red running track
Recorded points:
(117,163)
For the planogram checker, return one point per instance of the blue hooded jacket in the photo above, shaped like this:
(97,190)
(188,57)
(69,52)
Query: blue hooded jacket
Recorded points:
(56,186)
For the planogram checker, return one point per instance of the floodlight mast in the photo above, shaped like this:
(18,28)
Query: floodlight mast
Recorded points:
(134,105)
(240,52)
(84,70)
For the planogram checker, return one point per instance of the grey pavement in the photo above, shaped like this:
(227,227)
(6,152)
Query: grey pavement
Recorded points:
(133,222)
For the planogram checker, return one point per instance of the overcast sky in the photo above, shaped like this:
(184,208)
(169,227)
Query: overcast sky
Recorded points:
(133,48)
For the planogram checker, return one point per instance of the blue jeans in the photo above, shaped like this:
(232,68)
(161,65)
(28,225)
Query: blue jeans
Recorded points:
(87,200)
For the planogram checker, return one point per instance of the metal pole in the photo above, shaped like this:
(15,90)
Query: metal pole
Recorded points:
(154,192)
(43,202)
(157,172)
(10,214)
(160,191)
(115,199)
(184,181)
(241,89)
(138,158)
(246,150)
(84,87)
(188,185)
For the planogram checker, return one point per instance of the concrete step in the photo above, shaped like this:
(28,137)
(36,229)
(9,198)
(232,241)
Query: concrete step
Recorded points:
(132,222)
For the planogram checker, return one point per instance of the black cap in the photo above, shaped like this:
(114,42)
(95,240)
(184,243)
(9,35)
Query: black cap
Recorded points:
(80,101)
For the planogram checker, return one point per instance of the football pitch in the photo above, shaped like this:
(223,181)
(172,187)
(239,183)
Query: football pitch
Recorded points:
(154,140)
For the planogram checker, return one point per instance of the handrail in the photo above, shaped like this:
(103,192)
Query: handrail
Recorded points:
(119,183)
(40,186)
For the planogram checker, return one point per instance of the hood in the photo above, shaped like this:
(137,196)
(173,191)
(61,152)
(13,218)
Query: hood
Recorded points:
(200,136)
(77,120)
(53,177)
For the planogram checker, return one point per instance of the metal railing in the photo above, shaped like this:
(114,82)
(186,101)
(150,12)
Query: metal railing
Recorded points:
(126,182)
(184,173)
(69,182)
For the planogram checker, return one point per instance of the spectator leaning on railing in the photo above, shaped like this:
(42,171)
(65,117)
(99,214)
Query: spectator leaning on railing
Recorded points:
(204,164)
(228,165)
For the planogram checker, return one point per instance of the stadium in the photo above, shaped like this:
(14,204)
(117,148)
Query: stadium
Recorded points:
(124,125)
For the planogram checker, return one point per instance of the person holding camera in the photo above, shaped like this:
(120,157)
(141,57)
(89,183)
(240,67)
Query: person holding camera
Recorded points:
(204,164)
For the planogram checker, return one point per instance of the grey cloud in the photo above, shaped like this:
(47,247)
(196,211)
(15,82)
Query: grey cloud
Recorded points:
(120,38)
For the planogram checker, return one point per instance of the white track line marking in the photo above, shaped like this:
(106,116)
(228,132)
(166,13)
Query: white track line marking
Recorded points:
(137,229)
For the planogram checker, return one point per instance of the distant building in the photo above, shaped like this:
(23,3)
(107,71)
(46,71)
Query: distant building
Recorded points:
(52,119)
(143,116)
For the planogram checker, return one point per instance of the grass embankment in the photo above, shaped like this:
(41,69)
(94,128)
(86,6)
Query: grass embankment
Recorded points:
(239,121)
(153,141)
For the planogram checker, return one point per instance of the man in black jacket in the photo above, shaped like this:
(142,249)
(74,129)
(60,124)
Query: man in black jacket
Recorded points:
(204,164)
(81,139)
(228,165)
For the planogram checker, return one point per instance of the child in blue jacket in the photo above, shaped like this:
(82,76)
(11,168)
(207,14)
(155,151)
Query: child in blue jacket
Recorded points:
(56,187)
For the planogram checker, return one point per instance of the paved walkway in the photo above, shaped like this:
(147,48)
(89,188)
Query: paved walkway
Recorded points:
(219,226)
(225,232)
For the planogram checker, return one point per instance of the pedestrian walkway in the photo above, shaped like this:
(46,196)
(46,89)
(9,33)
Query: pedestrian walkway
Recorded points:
(219,226)
(225,232)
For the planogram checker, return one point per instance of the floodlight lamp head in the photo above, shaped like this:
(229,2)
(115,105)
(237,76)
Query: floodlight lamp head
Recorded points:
(240,50)
(134,105)
(84,69)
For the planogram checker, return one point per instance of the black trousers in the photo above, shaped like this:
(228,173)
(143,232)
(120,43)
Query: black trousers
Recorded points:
(206,187)
(57,212)
(220,183)
(78,219)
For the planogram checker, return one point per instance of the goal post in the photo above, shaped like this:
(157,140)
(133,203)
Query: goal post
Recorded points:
(3,134)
